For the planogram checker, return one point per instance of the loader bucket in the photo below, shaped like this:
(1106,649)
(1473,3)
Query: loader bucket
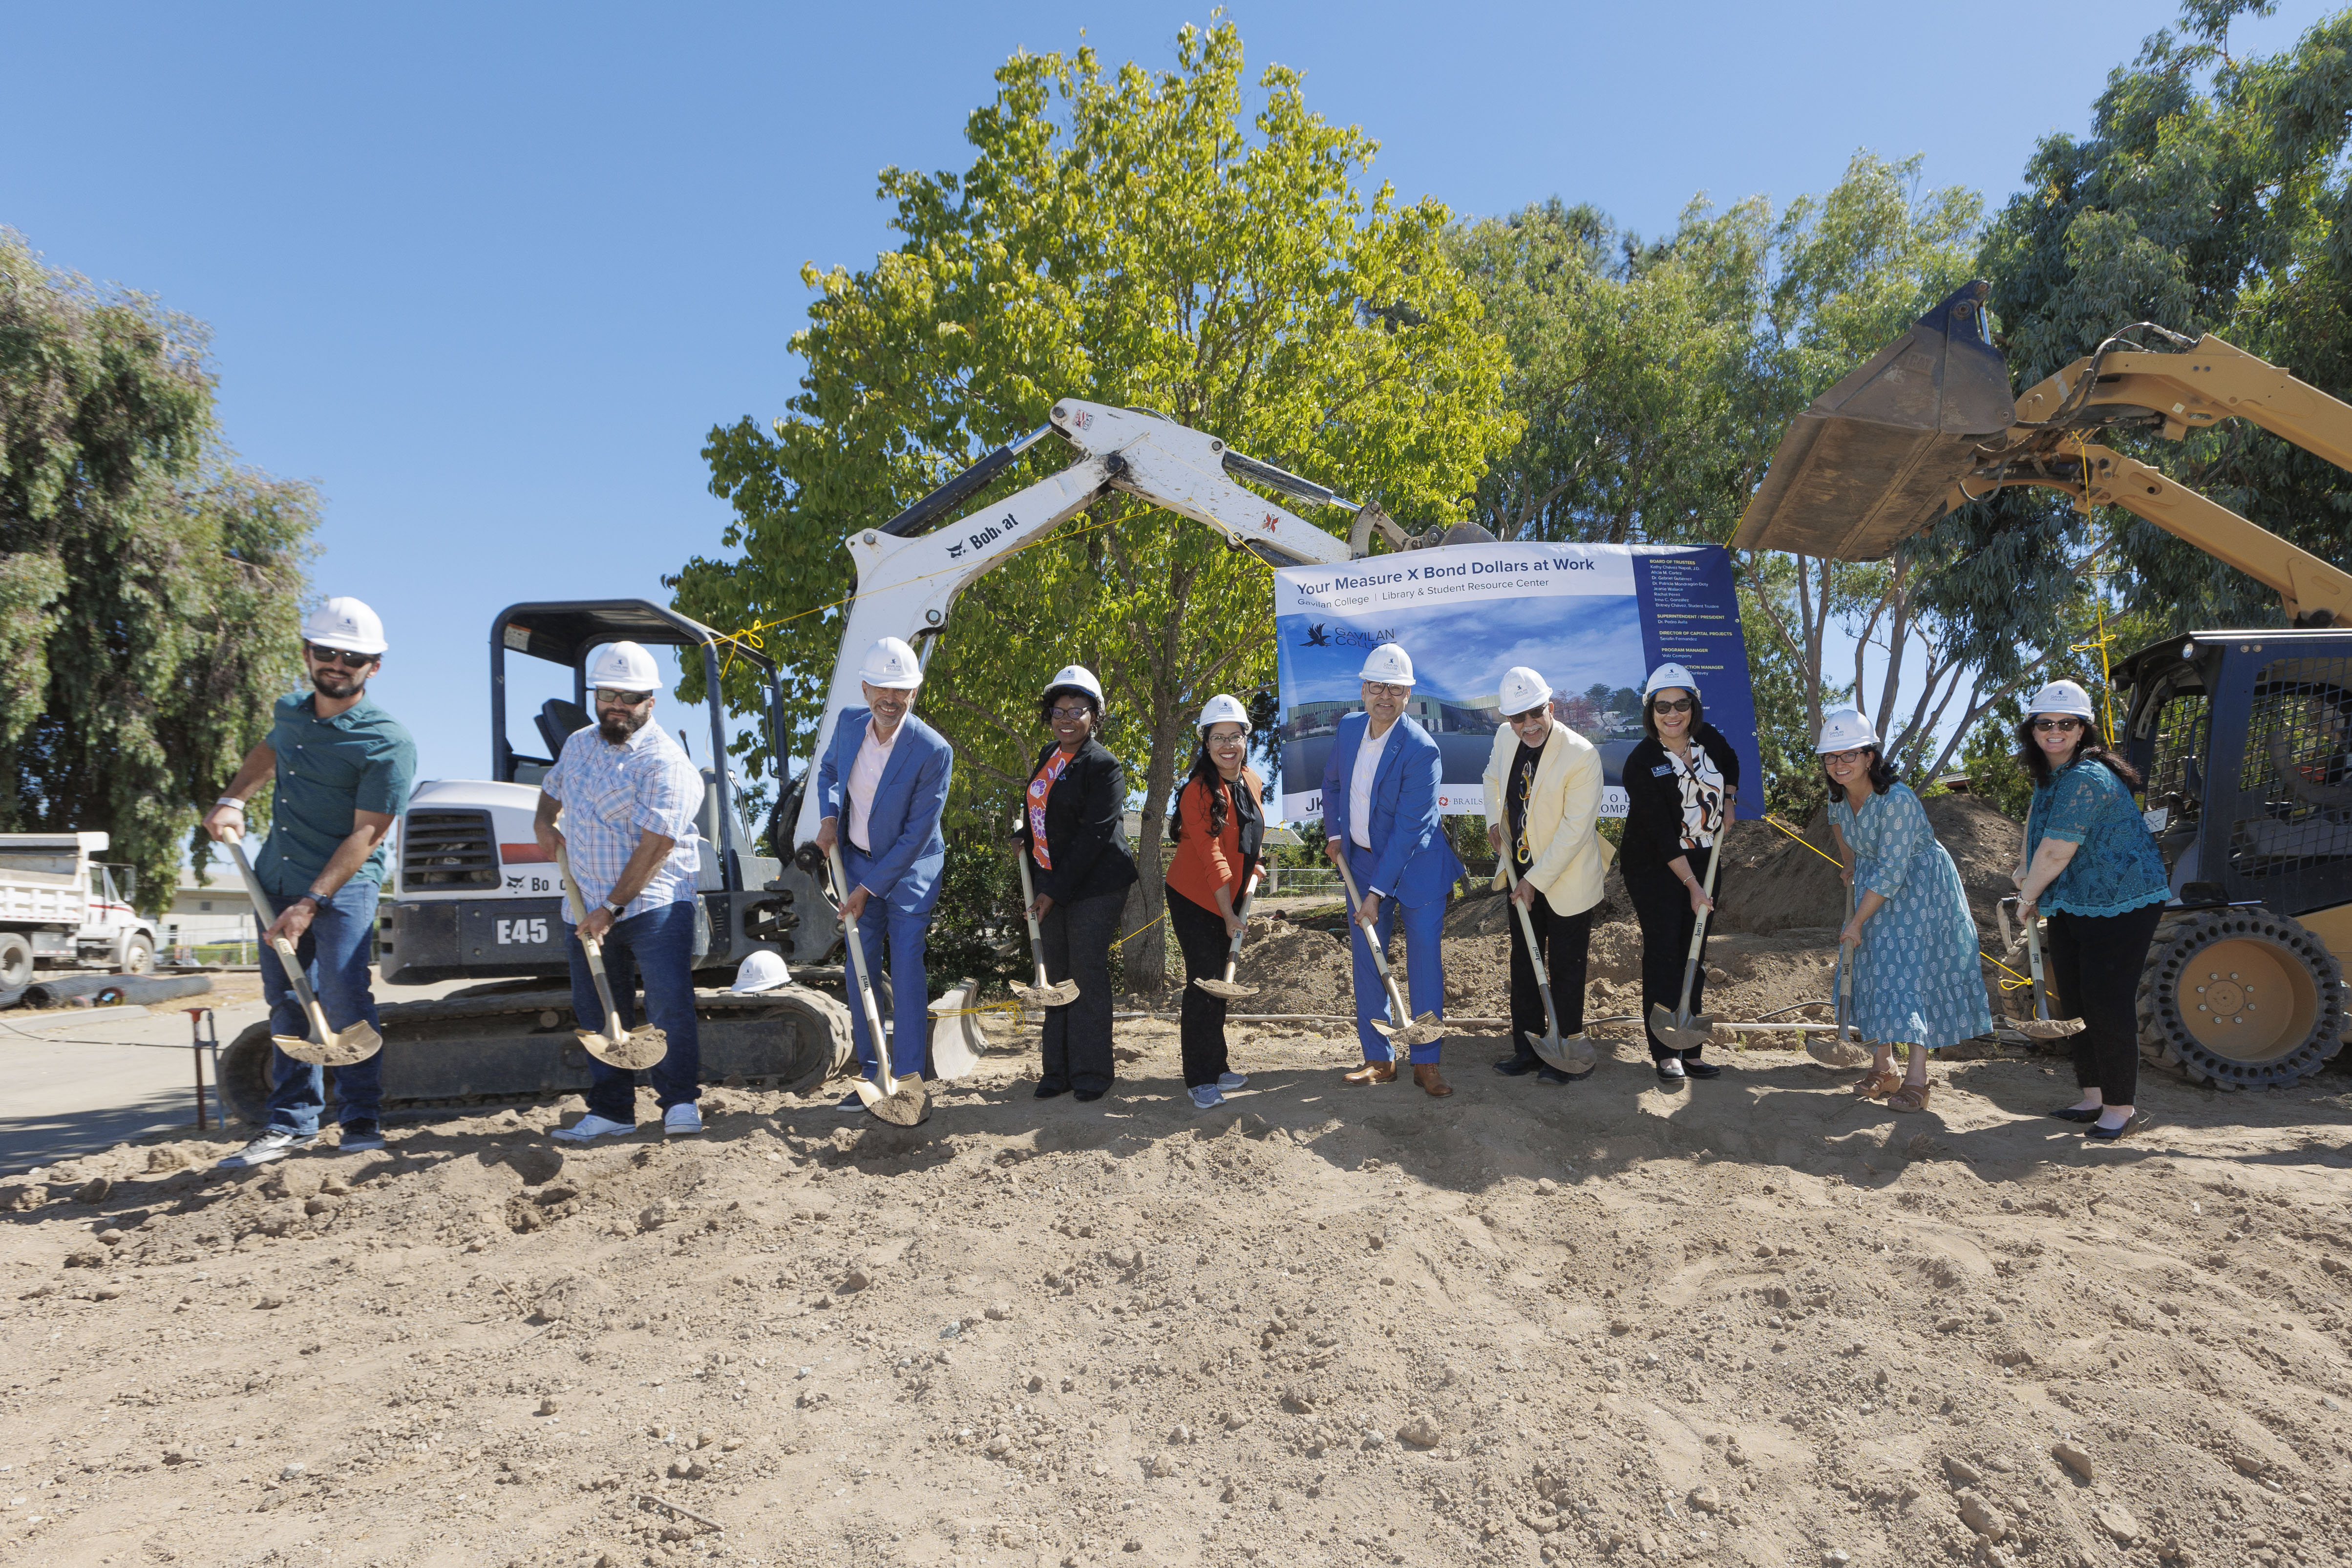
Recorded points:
(1871,461)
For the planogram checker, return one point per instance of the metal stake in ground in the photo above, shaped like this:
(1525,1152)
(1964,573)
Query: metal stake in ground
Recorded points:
(1842,1050)
(1682,1031)
(641,1047)
(1574,1054)
(1420,1031)
(1046,993)
(900,1101)
(1225,989)
(325,1048)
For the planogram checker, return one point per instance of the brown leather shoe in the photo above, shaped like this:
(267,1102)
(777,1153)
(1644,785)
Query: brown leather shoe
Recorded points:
(1425,1079)
(1373,1073)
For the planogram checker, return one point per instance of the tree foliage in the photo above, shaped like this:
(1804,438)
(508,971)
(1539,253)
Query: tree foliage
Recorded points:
(148,589)
(1129,238)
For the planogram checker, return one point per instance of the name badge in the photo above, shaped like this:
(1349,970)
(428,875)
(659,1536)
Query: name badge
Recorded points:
(1664,770)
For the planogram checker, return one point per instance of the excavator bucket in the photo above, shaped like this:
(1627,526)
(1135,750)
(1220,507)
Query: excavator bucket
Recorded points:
(1871,461)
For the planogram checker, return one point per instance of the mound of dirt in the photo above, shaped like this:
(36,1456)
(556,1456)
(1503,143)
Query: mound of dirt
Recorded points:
(1296,968)
(1789,885)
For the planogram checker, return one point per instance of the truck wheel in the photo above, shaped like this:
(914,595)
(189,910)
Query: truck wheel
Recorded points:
(16,961)
(2240,999)
(138,955)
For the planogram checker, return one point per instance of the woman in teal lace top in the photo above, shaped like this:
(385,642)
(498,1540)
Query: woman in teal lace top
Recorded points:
(2091,863)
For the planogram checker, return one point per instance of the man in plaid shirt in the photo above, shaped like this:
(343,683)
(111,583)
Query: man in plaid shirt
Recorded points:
(628,796)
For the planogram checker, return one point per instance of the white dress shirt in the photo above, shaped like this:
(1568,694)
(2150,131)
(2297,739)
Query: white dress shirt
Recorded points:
(864,778)
(1360,785)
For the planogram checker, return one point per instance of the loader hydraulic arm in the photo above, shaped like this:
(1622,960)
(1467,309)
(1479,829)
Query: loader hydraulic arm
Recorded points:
(2205,382)
(906,583)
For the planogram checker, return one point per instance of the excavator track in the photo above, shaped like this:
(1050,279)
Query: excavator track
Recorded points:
(517,1046)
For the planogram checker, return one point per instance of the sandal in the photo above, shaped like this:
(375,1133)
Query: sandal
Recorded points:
(1910,1097)
(1877,1085)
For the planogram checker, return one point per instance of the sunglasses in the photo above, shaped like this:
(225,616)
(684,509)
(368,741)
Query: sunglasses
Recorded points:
(1680,705)
(620,699)
(343,656)
(2046,725)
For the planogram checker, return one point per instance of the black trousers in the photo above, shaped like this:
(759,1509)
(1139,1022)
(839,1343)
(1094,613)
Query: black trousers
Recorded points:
(1567,940)
(2095,967)
(1201,1024)
(1662,904)
(1077,939)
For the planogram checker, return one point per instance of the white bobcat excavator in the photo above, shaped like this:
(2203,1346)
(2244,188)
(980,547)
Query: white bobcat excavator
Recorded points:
(472,898)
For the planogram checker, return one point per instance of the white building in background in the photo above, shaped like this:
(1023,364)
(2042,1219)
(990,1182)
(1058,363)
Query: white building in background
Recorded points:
(200,915)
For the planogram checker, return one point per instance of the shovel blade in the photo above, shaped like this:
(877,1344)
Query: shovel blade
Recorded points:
(2049,1028)
(355,1044)
(903,1107)
(1680,1031)
(1059,995)
(1429,1026)
(1573,1055)
(1830,1051)
(633,1052)
(1870,460)
(1225,989)
(956,1040)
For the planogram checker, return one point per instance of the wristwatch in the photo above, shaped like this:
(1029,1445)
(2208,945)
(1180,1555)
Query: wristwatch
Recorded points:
(616,911)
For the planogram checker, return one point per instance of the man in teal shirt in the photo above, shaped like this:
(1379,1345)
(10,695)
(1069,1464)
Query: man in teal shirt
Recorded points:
(342,768)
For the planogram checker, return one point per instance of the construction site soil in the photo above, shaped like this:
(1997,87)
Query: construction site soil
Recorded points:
(1754,1321)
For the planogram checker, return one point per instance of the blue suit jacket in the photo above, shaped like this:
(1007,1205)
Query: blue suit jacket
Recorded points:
(1417,864)
(903,827)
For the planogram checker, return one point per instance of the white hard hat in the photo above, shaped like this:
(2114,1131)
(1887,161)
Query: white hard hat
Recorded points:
(1667,675)
(1079,678)
(1523,688)
(1845,730)
(763,971)
(345,623)
(891,664)
(2062,697)
(623,667)
(1388,664)
(1223,709)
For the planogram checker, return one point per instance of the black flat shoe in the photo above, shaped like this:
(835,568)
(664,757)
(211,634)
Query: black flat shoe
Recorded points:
(1549,1074)
(1670,1079)
(1701,1069)
(2109,1134)
(1048,1091)
(1516,1067)
(1089,1095)
(2074,1113)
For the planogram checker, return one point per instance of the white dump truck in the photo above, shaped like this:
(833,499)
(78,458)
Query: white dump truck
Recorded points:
(58,904)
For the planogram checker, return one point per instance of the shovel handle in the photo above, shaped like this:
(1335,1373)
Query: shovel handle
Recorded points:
(588,944)
(1535,948)
(1698,926)
(1372,946)
(1028,908)
(286,958)
(886,1080)
(1249,896)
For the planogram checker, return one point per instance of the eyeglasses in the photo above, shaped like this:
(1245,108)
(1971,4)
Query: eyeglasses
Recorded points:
(2049,724)
(1680,705)
(1386,688)
(341,655)
(1061,710)
(1226,743)
(608,699)
(1845,759)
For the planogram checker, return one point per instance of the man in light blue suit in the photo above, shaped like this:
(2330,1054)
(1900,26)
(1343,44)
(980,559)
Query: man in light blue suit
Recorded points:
(1380,809)
(881,787)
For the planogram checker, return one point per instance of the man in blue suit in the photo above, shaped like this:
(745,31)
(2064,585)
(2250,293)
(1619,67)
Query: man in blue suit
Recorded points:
(881,787)
(1380,809)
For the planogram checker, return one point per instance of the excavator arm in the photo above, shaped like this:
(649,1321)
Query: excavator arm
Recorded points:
(1857,472)
(907,582)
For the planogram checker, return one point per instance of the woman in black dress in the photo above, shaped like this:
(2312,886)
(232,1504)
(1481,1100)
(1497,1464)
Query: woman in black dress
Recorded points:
(1080,872)
(1678,788)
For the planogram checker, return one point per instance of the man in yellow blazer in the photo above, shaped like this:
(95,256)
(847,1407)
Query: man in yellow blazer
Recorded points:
(1543,805)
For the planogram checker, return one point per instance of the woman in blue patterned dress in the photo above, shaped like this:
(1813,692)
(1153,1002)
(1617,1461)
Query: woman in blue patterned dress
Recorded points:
(1911,941)
(2090,861)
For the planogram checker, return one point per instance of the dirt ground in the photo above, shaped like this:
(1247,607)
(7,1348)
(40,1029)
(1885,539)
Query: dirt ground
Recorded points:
(1753,1322)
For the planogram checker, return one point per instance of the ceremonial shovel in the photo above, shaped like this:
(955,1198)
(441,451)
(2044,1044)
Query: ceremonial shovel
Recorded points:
(2041,1025)
(1420,1031)
(1682,1029)
(641,1046)
(1046,993)
(324,1047)
(900,1101)
(1572,1056)
(1225,989)
(1843,1051)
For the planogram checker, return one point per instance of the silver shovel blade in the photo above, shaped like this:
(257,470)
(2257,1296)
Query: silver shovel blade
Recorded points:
(1429,1026)
(345,1048)
(633,1052)
(1225,989)
(1061,994)
(1573,1055)
(903,1107)
(1688,1033)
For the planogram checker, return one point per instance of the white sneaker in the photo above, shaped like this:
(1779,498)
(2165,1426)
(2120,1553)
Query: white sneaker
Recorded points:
(680,1120)
(1231,1079)
(591,1127)
(272,1145)
(1208,1096)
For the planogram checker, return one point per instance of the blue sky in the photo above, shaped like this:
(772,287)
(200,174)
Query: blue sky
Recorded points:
(488,274)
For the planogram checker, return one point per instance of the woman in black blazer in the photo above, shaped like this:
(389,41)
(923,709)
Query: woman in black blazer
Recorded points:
(1081,872)
(1678,788)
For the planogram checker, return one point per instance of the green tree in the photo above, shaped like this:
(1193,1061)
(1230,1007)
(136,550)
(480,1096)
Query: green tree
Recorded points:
(1128,238)
(148,589)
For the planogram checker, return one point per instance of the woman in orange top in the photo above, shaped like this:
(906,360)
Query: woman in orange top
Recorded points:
(1217,826)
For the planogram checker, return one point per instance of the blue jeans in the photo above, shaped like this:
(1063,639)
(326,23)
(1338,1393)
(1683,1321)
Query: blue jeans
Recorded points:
(908,932)
(657,946)
(1425,965)
(334,957)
